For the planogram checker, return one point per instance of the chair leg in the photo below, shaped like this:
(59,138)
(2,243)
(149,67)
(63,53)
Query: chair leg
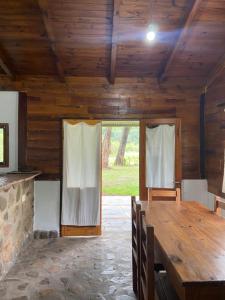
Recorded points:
(134,269)
(158,267)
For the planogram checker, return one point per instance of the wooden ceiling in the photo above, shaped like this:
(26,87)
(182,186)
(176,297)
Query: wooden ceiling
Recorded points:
(107,38)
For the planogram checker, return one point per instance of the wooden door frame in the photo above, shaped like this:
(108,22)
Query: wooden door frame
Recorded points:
(142,152)
(70,230)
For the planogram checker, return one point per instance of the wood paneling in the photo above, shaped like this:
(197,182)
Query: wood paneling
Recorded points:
(75,38)
(129,98)
(23,36)
(6,64)
(201,48)
(216,71)
(83,35)
(43,5)
(194,7)
(115,25)
(215,134)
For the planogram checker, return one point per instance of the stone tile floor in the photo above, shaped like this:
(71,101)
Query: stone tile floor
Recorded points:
(116,212)
(77,268)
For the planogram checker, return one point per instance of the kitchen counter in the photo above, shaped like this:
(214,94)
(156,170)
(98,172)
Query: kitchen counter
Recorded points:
(8,179)
(16,215)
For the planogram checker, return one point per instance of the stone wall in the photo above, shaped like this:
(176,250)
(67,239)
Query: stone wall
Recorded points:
(16,221)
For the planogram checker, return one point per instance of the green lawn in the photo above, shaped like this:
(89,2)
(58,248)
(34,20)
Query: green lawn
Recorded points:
(121,181)
(1,145)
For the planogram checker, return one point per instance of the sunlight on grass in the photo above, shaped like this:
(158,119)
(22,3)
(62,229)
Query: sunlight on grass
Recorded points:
(1,145)
(121,181)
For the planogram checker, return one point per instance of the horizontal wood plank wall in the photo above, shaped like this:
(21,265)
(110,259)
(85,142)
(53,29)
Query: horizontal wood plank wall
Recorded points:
(215,134)
(134,98)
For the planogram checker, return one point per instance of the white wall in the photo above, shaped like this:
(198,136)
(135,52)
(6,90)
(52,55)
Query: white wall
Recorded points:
(210,203)
(46,205)
(197,190)
(9,114)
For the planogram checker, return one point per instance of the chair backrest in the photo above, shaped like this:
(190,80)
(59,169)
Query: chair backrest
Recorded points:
(164,194)
(135,212)
(219,204)
(147,282)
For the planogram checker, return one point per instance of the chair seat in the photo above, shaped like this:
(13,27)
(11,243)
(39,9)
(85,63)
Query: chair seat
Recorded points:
(164,289)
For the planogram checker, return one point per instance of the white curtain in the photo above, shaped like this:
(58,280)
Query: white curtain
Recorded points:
(81,170)
(160,156)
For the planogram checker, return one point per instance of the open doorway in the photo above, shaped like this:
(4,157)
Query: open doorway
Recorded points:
(120,172)
(83,211)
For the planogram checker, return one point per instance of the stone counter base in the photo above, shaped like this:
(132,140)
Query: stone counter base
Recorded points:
(16,221)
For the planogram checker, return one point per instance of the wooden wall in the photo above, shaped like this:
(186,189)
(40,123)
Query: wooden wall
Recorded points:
(130,98)
(215,134)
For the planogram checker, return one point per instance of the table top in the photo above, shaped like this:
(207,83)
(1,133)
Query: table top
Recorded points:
(6,180)
(192,237)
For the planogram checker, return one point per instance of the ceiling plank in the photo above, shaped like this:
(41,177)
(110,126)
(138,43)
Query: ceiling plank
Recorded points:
(6,64)
(216,72)
(115,24)
(43,5)
(194,7)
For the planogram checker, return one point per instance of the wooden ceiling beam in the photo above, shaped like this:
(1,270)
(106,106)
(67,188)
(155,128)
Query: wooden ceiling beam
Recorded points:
(43,5)
(194,7)
(6,64)
(216,72)
(115,24)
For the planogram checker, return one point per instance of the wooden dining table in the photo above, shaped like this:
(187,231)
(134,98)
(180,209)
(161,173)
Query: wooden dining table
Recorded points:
(190,242)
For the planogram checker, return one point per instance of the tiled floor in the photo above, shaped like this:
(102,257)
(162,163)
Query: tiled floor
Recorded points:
(116,213)
(74,268)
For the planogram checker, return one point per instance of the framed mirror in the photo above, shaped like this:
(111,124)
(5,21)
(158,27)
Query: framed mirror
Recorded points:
(4,145)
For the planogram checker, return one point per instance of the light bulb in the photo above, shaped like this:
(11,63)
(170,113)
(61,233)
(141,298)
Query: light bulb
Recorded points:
(151,36)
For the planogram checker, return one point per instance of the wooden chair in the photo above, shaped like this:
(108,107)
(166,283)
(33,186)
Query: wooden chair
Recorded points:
(219,204)
(164,289)
(147,281)
(135,211)
(164,194)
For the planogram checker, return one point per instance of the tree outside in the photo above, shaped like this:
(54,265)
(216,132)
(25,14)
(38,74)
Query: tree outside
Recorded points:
(120,175)
(106,147)
(120,157)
